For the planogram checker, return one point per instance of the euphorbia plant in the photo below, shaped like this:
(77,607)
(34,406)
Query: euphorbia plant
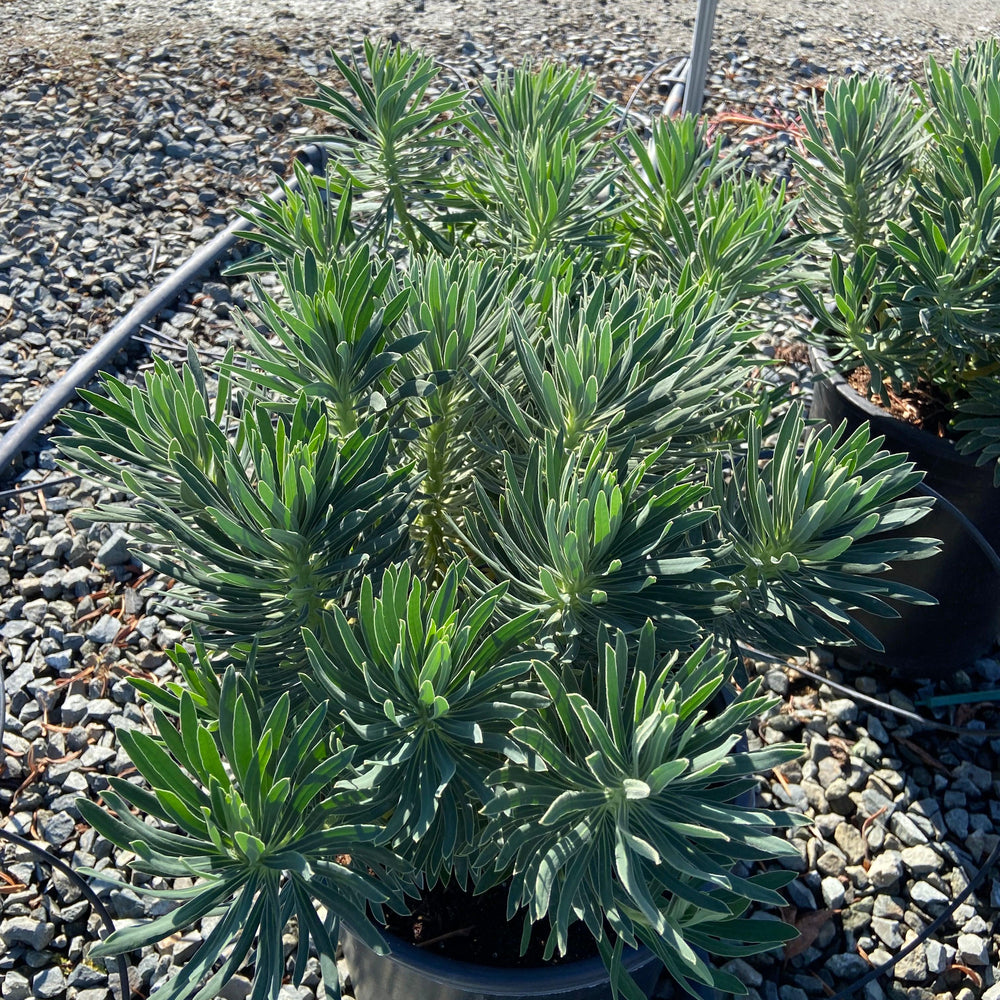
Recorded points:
(467,537)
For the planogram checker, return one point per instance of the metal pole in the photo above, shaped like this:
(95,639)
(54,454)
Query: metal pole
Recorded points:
(701,44)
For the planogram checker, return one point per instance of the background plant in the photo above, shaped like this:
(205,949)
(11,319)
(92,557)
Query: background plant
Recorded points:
(541,175)
(858,155)
(309,215)
(698,219)
(906,189)
(391,144)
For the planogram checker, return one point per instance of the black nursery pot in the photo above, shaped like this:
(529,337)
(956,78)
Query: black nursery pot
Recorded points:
(965,624)
(410,973)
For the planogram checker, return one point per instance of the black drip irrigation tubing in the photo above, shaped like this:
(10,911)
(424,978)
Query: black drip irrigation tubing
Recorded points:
(161,297)
(759,654)
(42,484)
(851,992)
(85,888)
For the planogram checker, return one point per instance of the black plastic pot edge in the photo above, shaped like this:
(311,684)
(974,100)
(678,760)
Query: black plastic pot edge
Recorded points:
(936,641)
(903,436)
(884,423)
(411,973)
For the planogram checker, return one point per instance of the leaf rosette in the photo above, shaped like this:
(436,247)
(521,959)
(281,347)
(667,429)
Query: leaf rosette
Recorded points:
(265,825)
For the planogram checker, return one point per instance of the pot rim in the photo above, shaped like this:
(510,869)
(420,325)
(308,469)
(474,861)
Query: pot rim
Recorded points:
(907,434)
(562,978)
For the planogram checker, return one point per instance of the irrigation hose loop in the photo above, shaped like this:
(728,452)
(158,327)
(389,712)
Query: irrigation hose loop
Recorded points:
(85,888)
(470,82)
(637,89)
(759,654)
(852,992)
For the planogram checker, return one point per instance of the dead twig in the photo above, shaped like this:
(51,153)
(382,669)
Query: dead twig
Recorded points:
(780,122)
(968,973)
(827,988)
(10,885)
(36,768)
(460,932)
(920,752)
(103,669)
(864,831)
(783,780)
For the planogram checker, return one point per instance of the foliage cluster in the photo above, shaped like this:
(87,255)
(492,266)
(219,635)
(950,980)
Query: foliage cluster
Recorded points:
(902,187)
(467,535)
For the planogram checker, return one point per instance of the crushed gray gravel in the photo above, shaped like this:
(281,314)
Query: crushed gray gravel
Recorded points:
(127,141)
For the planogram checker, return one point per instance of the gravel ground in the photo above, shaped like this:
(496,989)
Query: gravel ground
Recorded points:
(127,139)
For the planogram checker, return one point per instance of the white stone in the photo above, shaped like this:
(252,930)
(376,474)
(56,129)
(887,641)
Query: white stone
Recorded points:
(886,870)
(973,950)
(921,860)
(833,892)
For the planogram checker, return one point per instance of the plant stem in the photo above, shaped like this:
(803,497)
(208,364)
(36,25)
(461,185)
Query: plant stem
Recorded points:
(434,486)
(302,589)
(344,416)
(398,196)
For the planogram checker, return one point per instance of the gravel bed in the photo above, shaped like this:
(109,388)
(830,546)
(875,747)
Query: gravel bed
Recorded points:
(129,140)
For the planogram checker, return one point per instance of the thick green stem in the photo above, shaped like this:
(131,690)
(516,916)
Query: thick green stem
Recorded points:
(434,486)
(403,214)
(303,589)
(345,417)
(398,196)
